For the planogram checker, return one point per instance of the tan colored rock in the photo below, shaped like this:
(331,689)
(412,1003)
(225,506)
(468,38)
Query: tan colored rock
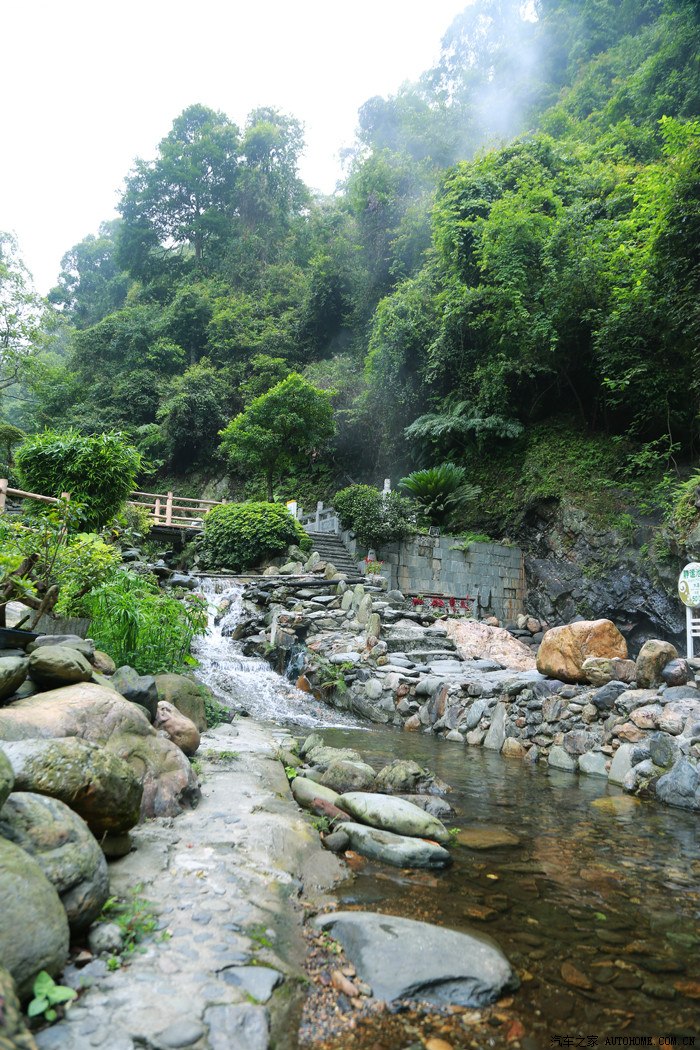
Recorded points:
(177,727)
(100,715)
(629,732)
(512,748)
(600,670)
(564,649)
(188,696)
(647,717)
(653,657)
(103,663)
(475,639)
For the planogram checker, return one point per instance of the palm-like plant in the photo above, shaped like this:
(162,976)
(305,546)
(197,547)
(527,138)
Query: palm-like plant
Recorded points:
(441,491)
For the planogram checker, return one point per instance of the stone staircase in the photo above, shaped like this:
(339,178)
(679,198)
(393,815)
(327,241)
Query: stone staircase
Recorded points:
(331,548)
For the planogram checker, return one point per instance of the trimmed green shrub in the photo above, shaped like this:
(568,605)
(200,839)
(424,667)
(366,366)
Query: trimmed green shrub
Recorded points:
(376,518)
(99,471)
(441,491)
(240,535)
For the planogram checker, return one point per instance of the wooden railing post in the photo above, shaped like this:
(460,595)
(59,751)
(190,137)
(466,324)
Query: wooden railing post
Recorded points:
(156,510)
(3,493)
(169,509)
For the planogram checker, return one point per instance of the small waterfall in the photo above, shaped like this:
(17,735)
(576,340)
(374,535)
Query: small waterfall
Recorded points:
(248,683)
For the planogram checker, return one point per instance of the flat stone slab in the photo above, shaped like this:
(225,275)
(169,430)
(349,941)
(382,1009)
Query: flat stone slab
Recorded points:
(486,838)
(398,850)
(404,959)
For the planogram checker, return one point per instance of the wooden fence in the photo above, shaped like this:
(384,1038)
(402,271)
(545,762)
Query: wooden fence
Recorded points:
(6,491)
(177,512)
(163,508)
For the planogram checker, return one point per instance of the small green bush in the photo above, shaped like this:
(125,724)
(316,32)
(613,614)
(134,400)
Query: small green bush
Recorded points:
(376,518)
(240,535)
(140,625)
(98,471)
(441,491)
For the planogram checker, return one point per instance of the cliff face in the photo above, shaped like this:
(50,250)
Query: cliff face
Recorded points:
(575,566)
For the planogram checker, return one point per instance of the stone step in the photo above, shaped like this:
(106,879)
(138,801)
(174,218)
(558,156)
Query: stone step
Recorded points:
(416,646)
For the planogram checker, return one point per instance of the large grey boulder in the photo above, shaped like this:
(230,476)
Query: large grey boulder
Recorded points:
(52,666)
(95,784)
(405,959)
(400,851)
(13,671)
(392,814)
(100,715)
(33,925)
(680,787)
(68,854)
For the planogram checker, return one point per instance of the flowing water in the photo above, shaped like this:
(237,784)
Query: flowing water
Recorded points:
(597,903)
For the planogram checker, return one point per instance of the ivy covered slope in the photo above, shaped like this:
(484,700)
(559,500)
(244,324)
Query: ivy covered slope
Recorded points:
(507,282)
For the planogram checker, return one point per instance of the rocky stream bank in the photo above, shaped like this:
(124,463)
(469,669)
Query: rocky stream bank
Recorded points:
(568,697)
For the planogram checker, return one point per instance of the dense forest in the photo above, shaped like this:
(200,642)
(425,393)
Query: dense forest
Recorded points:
(507,279)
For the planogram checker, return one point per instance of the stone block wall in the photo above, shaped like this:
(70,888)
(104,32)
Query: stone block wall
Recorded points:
(492,574)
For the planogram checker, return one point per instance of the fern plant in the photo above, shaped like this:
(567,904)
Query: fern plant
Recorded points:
(440,491)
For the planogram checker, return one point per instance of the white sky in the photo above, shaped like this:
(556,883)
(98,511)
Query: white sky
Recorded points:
(88,85)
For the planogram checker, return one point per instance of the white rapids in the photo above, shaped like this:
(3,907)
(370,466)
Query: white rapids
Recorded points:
(247,683)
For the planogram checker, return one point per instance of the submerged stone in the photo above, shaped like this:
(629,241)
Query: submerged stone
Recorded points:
(400,851)
(405,959)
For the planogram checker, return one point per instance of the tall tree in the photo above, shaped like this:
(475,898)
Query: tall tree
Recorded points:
(183,201)
(287,425)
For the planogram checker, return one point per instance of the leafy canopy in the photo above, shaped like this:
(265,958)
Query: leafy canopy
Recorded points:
(289,424)
(99,472)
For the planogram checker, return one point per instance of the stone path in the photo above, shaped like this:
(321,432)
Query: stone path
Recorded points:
(225,879)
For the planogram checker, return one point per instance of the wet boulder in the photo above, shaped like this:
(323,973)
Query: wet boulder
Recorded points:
(13,671)
(52,666)
(33,924)
(345,775)
(405,959)
(392,814)
(168,780)
(68,854)
(94,783)
(400,851)
(405,777)
(676,673)
(564,650)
